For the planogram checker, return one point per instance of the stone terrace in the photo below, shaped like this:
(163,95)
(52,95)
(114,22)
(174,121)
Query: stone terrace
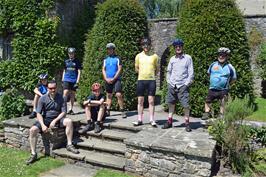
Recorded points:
(143,150)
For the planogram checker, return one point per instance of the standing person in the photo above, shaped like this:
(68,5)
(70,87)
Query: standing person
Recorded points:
(40,90)
(222,74)
(180,74)
(71,76)
(51,111)
(111,70)
(94,110)
(146,65)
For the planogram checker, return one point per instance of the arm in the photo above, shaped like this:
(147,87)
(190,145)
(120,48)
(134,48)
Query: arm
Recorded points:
(137,64)
(79,72)
(61,115)
(37,92)
(104,72)
(157,65)
(63,75)
(118,72)
(234,77)
(169,72)
(190,78)
(39,109)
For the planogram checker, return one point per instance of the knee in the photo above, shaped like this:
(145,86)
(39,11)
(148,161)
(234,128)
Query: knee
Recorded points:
(68,122)
(109,95)
(33,131)
(118,95)
(151,101)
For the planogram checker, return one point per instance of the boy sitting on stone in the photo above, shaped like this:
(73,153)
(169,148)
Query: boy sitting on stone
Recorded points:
(94,110)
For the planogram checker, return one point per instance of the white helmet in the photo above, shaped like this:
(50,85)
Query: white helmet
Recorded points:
(224,50)
(110,46)
(71,50)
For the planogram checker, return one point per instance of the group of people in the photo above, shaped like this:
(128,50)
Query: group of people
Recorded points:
(50,106)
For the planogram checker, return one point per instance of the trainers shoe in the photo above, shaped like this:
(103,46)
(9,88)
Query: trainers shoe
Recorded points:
(88,127)
(206,115)
(32,159)
(72,149)
(167,125)
(97,128)
(33,115)
(188,129)
(71,112)
(124,115)
(153,123)
(138,123)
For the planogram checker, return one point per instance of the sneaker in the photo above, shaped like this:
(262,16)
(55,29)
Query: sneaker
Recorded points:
(167,125)
(97,128)
(33,115)
(124,115)
(188,129)
(88,127)
(72,149)
(138,123)
(206,115)
(153,123)
(32,159)
(71,112)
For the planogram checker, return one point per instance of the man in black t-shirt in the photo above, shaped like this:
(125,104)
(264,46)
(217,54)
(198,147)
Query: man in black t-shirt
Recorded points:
(94,110)
(51,111)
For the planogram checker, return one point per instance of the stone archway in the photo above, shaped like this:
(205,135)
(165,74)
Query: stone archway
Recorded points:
(162,32)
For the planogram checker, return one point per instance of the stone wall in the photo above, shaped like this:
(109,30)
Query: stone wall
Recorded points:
(259,22)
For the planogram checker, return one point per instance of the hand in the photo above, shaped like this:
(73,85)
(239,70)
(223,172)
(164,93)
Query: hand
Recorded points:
(52,124)
(44,129)
(75,86)
(109,81)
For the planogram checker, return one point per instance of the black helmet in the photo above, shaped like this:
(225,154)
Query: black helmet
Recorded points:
(43,76)
(178,42)
(145,41)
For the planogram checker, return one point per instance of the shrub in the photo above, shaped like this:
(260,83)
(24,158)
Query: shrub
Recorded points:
(122,22)
(262,61)
(35,46)
(205,26)
(12,104)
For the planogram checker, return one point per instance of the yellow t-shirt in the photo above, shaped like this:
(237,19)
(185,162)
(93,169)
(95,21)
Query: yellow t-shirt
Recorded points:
(147,65)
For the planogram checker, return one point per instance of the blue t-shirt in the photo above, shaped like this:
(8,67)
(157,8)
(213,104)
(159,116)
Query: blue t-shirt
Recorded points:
(221,75)
(111,64)
(42,88)
(71,70)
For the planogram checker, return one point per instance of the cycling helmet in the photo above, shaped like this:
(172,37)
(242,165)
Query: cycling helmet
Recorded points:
(110,46)
(43,76)
(71,50)
(145,41)
(178,42)
(224,50)
(95,86)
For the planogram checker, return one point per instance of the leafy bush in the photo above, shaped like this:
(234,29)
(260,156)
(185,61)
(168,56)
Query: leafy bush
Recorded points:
(262,61)
(122,22)
(233,137)
(35,46)
(205,26)
(12,104)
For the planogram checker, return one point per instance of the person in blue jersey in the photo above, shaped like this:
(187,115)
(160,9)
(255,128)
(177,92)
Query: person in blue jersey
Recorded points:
(71,76)
(222,74)
(40,90)
(111,70)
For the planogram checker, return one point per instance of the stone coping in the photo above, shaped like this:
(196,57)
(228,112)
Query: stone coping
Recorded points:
(197,143)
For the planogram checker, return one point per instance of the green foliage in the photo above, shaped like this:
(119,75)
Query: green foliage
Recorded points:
(255,38)
(259,135)
(35,46)
(205,26)
(262,61)
(13,163)
(12,104)
(233,136)
(122,22)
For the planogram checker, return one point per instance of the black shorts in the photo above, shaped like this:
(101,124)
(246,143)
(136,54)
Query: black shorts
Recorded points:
(46,122)
(143,85)
(178,94)
(69,86)
(117,87)
(94,113)
(216,94)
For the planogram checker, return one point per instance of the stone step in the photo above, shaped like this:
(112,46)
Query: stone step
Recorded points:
(114,135)
(102,145)
(94,158)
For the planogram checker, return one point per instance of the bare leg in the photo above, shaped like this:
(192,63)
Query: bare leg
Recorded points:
(69,130)
(72,99)
(35,102)
(151,107)
(222,106)
(101,113)
(33,138)
(207,107)
(109,100)
(120,100)
(88,112)
(186,115)
(171,110)
(140,107)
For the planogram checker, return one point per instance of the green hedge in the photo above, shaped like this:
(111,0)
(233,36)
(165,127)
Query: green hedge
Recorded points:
(122,22)
(206,25)
(35,46)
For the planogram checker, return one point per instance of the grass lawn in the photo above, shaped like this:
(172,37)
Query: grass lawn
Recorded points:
(12,163)
(260,113)
(110,173)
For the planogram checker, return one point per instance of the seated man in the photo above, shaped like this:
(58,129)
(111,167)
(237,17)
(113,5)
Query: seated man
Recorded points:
(51,111)
(94,110)
(40,90)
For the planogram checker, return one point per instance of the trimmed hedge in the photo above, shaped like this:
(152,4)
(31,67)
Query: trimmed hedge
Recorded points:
(206,25)
(124,23)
